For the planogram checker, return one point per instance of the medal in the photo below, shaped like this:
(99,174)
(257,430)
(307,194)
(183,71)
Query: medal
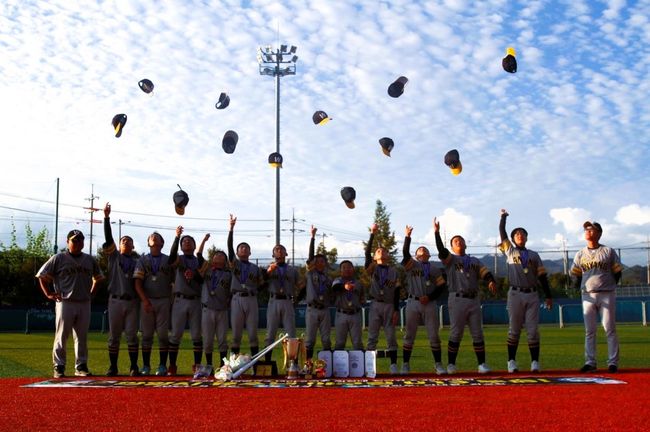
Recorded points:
(428,283)
(211,293)
(349,304)
(320,298)
(526,271)
(153,278)
(381,292)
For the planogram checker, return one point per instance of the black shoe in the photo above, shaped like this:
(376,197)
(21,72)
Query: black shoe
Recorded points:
(82,370)
(112,371)
(612,368)
(588,368)
(59,371)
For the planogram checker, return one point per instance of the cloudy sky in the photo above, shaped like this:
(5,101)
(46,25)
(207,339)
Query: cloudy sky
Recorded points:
(563,140)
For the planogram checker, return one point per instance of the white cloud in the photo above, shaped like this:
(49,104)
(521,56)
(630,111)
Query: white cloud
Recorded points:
(571,219)
(633,214)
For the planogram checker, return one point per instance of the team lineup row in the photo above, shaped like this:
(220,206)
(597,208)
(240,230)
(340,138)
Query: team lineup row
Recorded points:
(205,294)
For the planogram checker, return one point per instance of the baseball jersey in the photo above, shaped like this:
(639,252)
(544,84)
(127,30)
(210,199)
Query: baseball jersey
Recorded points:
(188,279)
(383,282)
(524,265)
(246,277)
(318,290)
(120,272)
(72,276)
(216,289)
(597,268)
(422,278)
(156,274)
(463,273)
(283,280)
(347,300)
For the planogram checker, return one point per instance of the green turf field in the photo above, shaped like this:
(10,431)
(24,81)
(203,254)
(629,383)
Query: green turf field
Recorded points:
(31,355)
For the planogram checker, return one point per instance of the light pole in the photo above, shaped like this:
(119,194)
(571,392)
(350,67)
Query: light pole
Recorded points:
(277,63)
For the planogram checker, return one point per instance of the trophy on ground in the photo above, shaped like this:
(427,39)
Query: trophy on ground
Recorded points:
(293,349)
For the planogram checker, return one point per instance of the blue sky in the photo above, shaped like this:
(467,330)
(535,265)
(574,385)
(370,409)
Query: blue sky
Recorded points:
(563,140)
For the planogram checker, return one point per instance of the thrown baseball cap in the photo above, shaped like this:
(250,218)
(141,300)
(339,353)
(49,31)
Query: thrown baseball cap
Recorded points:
(509,62)
(146,85)
(119,120)
(275,160)
(180,200)
(387,145)
(397,87)
(229,141)
(452,160)
(223,102)
(594,225)
(320,118)
(75,234)
(349,195)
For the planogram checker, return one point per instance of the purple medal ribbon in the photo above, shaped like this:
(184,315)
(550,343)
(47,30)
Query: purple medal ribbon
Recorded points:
(281,272)
(426,270)
(523,254)
(244,268)
(215,281)
(127,264)
(466,263)
(189,263)
(155,264)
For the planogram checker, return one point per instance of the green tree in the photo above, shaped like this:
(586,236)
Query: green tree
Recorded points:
(385,237)
(332,255)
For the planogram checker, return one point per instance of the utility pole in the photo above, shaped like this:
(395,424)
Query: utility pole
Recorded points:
(648,263)
(56,218)
(293,235)
(92,211)
(496,252)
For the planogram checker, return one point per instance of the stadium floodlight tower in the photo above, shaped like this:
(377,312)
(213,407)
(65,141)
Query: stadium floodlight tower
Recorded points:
(278,63)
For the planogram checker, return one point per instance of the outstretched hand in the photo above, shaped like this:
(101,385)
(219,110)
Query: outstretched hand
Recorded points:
(232,221)
(436,225)
(107,210)
(504,212)
(408,231)
(313,231)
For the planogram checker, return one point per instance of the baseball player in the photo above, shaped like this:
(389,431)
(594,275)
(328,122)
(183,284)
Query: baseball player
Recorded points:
(153,283)
(215,299)
(122,298)
(245,282)
(384,291)
(187,297)
(349,300)
(424,284)
(525,272)
(283,288)
(70,279)
(464,304)
(596,271)
(318,293)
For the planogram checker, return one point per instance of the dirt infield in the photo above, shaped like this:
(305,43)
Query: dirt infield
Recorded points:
(514,407)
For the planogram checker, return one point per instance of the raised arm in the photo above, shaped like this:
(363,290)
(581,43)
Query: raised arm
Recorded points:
(108,233)
(443,252)
(199,252)
(406,249)
(502,225)
(231,248)
(311,243)
(373,231)
(173,253)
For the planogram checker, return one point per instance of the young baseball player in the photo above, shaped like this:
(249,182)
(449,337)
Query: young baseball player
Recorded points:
(70,279)
(153,283)
(596,271)
(318,296)
(384,291)
(424,283)
(349,300)
(122,298)
(525,272)
(464,304)
(244,285)
(187,297)
(215,299)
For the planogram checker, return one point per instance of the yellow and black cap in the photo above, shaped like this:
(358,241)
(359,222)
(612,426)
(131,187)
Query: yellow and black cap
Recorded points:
(320,118)
(509,62)
(223,102)
(75,234)
(387,145)
(275,160)
(119,120)
(229,141)
(452,160)
(146,85)
(397,87)
(181,199)
(349,195)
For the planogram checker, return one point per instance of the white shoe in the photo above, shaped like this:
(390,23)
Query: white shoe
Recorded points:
(406,368)
(512,366)
(393,369)
(440,369)
(451,369)
(534,366)
(483,368)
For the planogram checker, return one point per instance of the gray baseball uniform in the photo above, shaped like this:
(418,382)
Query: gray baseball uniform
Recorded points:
(348,313)
(318,295)
(596,271)
(72,277)
(282,286)
(215,299)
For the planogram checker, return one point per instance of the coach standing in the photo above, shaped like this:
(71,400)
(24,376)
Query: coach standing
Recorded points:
(70,279)
(596,270)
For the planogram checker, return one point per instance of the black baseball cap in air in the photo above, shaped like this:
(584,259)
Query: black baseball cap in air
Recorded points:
(146,85)
(229,141)
(397,87)
(387,145)
(275,160)
(119,120)
(452,160)
(75,234)
(320,118)
(349,195)
(223,102)
(180,200)
(509,62)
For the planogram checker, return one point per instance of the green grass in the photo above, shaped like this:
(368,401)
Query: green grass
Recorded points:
(30,355)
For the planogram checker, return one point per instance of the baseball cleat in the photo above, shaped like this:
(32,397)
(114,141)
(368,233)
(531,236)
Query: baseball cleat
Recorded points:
(612,368)
(134,372)
(161,371)
(512,366)
(483,368)
(59,371)
(201,372)
(534,366)
(112,371)
(440,369)
(146,370)
(82,370)
(451,369)
(406,368)
(393,368)
(588,368)
(172,370)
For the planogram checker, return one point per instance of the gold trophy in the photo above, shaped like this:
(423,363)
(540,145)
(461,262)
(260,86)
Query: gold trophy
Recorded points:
(293,348)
